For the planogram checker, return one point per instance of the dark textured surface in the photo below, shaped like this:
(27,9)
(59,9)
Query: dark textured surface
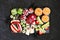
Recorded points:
(7,5)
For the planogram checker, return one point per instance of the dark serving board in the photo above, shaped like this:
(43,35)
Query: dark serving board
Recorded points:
(7,5)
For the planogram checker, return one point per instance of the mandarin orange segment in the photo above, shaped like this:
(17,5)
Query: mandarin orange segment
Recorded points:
(38,11)
(46,11)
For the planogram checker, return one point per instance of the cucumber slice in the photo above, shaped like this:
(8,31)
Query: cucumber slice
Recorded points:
(46,25)
(40,21)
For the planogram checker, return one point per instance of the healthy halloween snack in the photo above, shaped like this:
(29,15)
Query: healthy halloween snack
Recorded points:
(38,11)
(46,11)
(30,21)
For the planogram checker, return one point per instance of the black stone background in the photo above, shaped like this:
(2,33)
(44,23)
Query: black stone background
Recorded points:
(7,5)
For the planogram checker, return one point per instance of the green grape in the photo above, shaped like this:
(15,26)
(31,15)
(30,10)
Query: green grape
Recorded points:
(13,11)
(20,11)
(23,25)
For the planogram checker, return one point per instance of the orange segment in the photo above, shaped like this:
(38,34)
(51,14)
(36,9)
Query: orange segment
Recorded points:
(45,18)
(38,11)
(46,11)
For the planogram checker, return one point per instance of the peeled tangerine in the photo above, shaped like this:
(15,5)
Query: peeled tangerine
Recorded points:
(46,11)
(38,11)
(45,18)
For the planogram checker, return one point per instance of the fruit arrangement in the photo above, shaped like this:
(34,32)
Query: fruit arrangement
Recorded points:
(30,21)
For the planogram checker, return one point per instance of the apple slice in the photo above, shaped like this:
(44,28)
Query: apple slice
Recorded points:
(39,20)
(45,25)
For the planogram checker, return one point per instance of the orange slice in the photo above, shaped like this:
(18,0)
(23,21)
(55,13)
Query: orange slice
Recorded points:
(46,11)
(45,18)
(38,11)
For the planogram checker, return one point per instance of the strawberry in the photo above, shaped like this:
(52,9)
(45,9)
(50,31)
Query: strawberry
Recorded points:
(31,18)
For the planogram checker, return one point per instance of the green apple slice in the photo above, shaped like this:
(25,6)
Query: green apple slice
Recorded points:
(42,30)
(40,21)
(45,25)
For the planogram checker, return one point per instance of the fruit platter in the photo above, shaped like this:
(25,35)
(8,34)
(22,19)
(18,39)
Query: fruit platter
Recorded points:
(29,21)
